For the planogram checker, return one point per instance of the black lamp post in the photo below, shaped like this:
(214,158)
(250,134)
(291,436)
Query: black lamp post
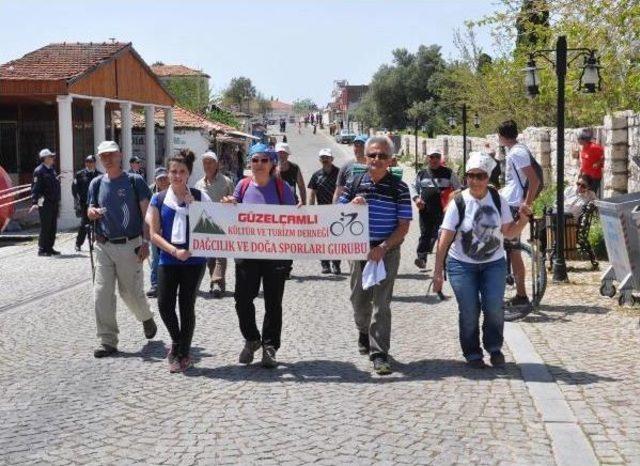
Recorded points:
(476,124)
(589,82)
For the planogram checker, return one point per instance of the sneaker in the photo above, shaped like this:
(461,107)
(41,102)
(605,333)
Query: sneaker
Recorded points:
(153,292)
(325,269)
(44,254)
(174,365)
(519,301)
(186,362)
(497,359)
(380,365)
(53,252)
(336,270)
(104,351)
(477,364)
(250,347)
(217,291)
(172,354)
(78,248)
(269,357)
(363,343)
(420,263)
(150,328)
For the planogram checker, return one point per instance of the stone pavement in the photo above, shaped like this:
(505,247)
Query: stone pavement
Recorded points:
(61,406)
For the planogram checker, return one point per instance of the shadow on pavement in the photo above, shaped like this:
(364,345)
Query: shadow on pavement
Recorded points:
(327,371)
(546,313)
(156,351)
(426,299)
(328,278)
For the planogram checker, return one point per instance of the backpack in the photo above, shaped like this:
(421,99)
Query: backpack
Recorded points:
(358,180)
(536,167)
(246,182)
(132,182)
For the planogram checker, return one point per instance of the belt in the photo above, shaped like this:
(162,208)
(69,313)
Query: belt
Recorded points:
(120,240)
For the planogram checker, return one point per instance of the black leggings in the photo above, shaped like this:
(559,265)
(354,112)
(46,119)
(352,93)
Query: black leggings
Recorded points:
(186,278)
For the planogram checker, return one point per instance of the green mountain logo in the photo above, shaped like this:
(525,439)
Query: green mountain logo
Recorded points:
(207,226)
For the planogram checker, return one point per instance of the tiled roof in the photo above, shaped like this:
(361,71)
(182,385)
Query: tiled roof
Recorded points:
(176,70)
(56,62)
(277,105)
(182,118)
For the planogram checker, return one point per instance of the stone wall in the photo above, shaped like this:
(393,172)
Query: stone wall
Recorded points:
(619,134)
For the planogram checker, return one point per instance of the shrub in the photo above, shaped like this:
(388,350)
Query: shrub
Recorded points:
(547,198)
(596,240)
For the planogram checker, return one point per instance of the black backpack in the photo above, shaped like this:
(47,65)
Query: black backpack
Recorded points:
(536,167)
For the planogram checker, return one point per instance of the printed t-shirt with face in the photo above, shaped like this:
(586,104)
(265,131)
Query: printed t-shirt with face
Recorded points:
(264,194)
(479,239)
(517,159)
(122,217)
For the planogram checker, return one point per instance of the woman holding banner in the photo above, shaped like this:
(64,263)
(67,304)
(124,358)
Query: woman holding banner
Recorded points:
(262,187)
(179,274)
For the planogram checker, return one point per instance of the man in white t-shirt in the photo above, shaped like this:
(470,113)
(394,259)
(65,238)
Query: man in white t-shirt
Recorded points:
(519,173)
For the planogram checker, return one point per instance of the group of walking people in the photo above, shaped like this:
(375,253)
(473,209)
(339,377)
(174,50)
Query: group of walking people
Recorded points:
(466,226)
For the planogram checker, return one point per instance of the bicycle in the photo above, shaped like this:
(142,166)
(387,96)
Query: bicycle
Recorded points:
(338,227)
(536,279)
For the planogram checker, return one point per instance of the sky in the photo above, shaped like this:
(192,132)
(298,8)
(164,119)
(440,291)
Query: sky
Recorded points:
(289,49)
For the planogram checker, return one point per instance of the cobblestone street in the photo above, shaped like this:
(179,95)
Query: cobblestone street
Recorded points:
(322,404)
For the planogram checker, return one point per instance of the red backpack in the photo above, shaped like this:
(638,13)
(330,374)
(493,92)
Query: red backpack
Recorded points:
(246,182)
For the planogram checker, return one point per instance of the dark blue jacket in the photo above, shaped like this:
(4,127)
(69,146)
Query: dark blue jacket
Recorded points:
(45,184)
(80,186)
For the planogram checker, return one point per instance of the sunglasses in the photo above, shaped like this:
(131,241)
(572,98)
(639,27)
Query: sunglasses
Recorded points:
(477,176)
(581,185)
(378,155)
(265,160)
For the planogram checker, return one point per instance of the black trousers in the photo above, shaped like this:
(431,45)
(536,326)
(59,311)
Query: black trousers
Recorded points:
(429,224)
(249,274)
(179,282)
(48,225)
(326,263)
(82,230)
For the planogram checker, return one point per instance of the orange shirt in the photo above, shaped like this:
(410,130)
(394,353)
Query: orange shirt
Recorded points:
(592,160)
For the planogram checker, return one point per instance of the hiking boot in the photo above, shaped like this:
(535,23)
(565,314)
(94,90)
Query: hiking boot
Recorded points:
(269,357)
(53,252)
(186,362)
(150,328)
(153,292)
(250,347)
(44,253)
(217,291)
(497,359)
(363,343)
(476,364)
(420,263)
(104,351)
(335,268)
(325,269)
(78,248)
(380,364)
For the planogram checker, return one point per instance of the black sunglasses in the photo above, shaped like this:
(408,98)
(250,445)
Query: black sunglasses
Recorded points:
(260,160)
(477,176)
(378,155)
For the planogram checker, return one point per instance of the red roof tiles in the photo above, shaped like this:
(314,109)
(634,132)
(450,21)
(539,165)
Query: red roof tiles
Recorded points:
(64,61)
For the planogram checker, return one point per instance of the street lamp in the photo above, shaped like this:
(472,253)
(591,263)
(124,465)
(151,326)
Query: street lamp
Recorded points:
(452,124)
(589,82)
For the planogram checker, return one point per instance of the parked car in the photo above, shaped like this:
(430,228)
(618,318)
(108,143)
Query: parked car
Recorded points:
(345,137)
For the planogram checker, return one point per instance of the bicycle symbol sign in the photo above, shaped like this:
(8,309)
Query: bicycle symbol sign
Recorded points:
(349,221)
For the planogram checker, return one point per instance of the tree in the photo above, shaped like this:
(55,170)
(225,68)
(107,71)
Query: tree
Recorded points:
(191,92)
(532,25)
(303,106)
(240,93)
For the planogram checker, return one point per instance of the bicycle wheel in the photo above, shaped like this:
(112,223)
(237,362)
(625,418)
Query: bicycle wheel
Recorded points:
(356,228)
(336,228)
(535,279)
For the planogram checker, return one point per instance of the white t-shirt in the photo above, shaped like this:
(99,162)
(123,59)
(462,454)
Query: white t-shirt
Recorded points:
(479,238)
(518,157)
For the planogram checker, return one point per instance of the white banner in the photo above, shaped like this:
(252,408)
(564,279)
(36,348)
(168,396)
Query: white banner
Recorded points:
(261,231)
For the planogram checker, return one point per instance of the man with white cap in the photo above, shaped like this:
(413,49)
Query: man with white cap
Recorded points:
(321,188)
(118,203)
(471,243)
(45,196)
(291,173)
(216,186)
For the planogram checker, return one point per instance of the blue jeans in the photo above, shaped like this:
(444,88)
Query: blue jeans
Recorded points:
(479,286)
(155,259)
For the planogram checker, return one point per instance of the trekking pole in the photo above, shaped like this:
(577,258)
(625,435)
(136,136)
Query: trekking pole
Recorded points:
(91,228)
(533,240)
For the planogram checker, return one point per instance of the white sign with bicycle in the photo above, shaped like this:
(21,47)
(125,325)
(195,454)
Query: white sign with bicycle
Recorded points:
(258,231)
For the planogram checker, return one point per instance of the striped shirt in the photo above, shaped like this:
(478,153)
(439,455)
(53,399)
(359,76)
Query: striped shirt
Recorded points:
(384,211)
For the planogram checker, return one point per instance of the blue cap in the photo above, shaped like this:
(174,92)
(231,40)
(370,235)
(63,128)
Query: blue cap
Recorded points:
(361,138)
(258,148)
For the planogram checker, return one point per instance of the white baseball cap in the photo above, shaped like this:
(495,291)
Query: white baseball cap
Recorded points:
(108,146)
(46,153)
(210,155)
(283,147)
(481,161)
(325,153)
